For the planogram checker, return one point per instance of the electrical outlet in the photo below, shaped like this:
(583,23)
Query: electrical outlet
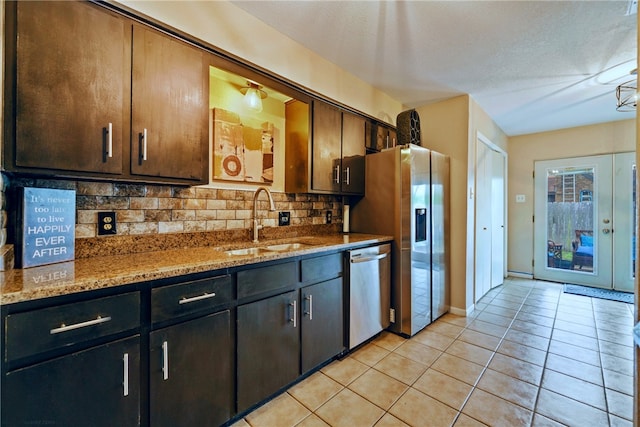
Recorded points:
(284,218)
(328,217)
(106,223)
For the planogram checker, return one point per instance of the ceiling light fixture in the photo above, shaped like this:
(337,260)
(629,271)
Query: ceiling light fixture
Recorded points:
(627,94)
(253,96)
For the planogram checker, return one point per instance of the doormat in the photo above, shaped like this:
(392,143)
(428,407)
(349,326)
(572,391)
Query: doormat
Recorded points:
(588,291)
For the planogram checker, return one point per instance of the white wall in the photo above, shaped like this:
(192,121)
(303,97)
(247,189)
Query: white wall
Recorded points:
(524,150)
(450,127)
(233,30)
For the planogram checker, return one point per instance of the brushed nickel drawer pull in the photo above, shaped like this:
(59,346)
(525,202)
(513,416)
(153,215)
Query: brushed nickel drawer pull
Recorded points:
(125,382)
(186,300)
(143,136)
(295,313)
(110,140)
(65,328)
(310,312)
(165,360)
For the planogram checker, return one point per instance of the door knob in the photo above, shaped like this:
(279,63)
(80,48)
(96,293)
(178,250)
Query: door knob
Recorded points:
(606,230)
(606,221)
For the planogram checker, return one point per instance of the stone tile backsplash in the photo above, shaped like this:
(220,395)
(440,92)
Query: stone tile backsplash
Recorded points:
(147,209)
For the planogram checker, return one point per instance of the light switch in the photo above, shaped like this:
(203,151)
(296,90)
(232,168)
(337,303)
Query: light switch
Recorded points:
(520,198)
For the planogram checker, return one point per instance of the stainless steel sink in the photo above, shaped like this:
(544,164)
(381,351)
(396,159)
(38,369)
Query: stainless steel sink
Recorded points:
(287,246)
(257,250)
(246,251)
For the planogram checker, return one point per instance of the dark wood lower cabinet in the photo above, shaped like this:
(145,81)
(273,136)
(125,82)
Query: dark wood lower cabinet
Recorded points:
(190,373)
(189,360)
(268,347)
(95,387)
(322,323)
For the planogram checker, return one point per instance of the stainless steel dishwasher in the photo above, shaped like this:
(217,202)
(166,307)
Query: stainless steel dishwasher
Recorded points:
(369,292)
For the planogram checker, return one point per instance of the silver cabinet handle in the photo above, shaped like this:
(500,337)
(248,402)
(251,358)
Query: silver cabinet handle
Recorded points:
(295,313)
(65,328)
(310,312)
(337,174)
(165,360)
(125,380)
(368,258)
(347,176)
(186,300)
(110,140)
(143,137)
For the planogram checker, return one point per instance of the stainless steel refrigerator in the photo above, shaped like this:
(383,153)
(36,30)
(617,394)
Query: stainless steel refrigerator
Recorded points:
(407,196)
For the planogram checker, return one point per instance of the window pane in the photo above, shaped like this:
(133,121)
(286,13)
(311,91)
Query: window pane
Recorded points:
(570,213)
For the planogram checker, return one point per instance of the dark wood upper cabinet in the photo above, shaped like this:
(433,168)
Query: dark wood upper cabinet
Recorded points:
(327,148)
(326,156)
(169,131)
(71,63)
(353,152)
(87,82)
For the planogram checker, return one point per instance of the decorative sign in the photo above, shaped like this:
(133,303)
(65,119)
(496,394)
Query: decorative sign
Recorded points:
(48,228)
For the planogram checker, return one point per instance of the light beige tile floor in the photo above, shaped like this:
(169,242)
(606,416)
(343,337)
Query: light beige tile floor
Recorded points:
(529,355)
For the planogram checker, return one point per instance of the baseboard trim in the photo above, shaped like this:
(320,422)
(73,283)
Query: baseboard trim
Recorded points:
(520,274)
(462,312)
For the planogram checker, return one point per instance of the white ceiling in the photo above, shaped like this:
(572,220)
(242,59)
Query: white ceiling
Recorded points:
(531,65)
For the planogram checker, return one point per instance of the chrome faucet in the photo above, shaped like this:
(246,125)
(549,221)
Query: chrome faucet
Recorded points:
(272,207)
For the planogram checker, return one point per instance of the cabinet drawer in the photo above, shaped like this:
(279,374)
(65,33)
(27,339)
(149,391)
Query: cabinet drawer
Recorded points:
(41,330)
(321,268)
(190,297)
(265,279)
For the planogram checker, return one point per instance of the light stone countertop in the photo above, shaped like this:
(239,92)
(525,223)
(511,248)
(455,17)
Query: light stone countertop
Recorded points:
(89,274)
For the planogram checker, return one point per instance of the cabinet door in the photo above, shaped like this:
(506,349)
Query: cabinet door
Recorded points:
(393,138)
(385,137)
(190,373)
(353,152)
(95,387)
(268,347)
(169,134)
(327,151)
(322,323)
(73,67)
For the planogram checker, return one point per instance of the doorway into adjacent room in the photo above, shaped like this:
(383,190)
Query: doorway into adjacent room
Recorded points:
(584,223)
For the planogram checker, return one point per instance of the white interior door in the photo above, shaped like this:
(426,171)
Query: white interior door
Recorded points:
(624,233)
(584,220)
(497,218)
(489,217)
(483,221)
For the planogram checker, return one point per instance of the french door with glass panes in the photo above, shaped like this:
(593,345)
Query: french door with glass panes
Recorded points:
(585,222)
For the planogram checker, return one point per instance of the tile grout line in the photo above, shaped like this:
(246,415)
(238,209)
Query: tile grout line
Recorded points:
(485,367)
(546,357)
